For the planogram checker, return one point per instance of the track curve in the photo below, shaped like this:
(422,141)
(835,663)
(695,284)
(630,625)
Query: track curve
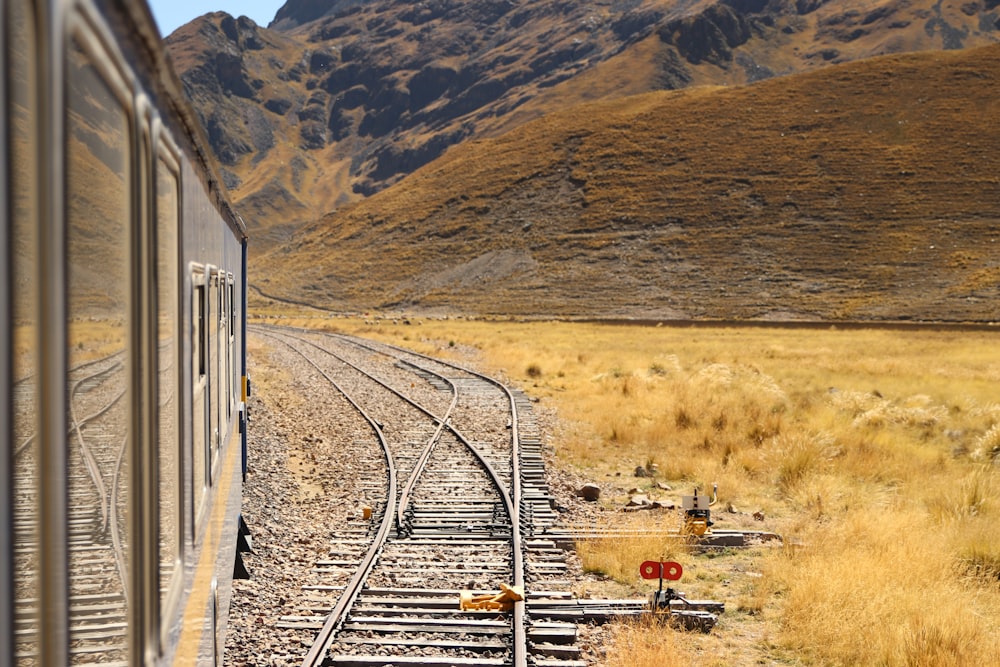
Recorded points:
(410,528)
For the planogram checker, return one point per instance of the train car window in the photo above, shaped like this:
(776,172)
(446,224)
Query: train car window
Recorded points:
(223,337)
(99,277)
(232,378)
(200,348)
(213,365)
(226,377)
(21,127)
(199,421)
(232,308)
(168,380)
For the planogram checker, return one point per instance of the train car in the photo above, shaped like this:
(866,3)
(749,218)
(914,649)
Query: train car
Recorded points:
(122,374)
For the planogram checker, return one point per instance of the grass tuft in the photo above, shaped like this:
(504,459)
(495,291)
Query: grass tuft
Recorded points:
(795,459)
(650,643)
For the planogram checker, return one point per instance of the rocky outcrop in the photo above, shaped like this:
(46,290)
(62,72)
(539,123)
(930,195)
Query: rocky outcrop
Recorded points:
(391,160)
(242,32)
(429,84)
(809,6)
(297,12)
(400,69)
(634,25)
(278,105)
(227,145)
(222,87)
(709,36)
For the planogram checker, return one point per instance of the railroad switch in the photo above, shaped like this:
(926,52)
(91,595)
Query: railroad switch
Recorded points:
(661,602)
(502,601)
(661,599)
(697,515)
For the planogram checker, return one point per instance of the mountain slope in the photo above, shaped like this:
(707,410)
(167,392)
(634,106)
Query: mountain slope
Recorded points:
(339,99)
(868,190)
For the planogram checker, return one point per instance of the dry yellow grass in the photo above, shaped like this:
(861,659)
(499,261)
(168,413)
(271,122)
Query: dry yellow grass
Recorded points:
(873,452)
(650,644)
(620,557)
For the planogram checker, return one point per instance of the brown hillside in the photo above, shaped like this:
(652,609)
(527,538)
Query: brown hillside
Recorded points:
(339,99)
(867,191)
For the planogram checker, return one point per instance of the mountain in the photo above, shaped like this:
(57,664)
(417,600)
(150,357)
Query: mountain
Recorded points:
(866,190)
(339,99)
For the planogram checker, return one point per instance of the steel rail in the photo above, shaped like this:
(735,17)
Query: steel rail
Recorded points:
(418,469)
(325,636)
(335,619)
(513,502)
(432,441)
(511,505)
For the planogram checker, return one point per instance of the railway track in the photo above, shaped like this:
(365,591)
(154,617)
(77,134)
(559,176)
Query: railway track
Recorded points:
(455,510)
(97,495)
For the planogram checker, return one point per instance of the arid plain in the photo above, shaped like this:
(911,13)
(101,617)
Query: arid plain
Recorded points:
(871,451)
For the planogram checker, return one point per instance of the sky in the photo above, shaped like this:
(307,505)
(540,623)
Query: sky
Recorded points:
(172,14)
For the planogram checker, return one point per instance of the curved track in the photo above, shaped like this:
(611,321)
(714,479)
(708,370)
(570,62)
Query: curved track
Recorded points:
(448,525)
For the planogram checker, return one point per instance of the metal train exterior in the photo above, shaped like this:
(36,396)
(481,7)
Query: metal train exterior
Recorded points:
(122,374)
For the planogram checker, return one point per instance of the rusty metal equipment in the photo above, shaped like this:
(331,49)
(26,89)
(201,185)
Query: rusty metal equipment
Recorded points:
(672,604)
(697,515)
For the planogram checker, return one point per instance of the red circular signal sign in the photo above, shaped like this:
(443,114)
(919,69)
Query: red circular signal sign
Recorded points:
(654,569)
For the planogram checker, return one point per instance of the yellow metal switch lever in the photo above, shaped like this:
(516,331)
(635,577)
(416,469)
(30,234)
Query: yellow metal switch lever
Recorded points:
(502,601)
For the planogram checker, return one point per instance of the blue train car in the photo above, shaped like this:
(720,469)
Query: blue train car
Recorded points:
(122,373)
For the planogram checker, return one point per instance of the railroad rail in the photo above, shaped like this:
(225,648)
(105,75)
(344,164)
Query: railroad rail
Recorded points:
(568,536)
(461,507)
(450,518)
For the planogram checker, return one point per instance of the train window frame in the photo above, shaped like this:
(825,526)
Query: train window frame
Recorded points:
(85,32)
(145,473)
(223,357)
(226,306)
(215,430)
(201,350)
(167,156)
(47,276)
(200,475)
(231,376)
(232,308)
